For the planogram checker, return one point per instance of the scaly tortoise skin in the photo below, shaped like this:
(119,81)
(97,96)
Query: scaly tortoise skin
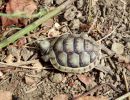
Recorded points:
(71,53)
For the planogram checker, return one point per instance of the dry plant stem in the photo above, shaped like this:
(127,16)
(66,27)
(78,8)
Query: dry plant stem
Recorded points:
(35,24)
(123,96)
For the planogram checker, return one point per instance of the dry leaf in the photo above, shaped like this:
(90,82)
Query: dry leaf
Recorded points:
(18,6)
(91,98)
(61,97)
(85,79)
(5,95)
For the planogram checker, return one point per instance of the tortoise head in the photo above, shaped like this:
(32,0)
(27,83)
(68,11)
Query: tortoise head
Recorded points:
(45,46)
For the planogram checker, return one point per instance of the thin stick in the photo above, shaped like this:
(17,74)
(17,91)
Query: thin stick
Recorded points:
(126,83)
(20,64)
(35,24)
(123,96)
(125,79)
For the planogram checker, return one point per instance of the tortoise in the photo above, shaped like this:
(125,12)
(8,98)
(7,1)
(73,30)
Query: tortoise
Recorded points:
(73,53)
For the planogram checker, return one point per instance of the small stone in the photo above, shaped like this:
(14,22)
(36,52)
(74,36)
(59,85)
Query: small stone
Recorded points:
(29,80)
(125,59)
(57,26)
(53,33)
(1,74)
(70,13)
(117,78)
(48,2)
(75,24)
(26,54)
(128,45)
(116,19)
(44,73)
(56,78)
(101,75)
(64,29)
(118,48)
(79,15)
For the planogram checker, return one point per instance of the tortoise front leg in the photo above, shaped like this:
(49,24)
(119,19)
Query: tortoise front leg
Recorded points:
(45,58)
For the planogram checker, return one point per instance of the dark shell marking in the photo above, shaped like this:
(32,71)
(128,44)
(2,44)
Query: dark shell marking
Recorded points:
(73,53)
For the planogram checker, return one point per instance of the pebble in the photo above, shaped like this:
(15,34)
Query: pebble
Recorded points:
(70,13)
(56,78)
(101,75)
(116,19)
(26,54)
(48,2)
(128,45)
(29,80)
(75,24)
(118,48)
